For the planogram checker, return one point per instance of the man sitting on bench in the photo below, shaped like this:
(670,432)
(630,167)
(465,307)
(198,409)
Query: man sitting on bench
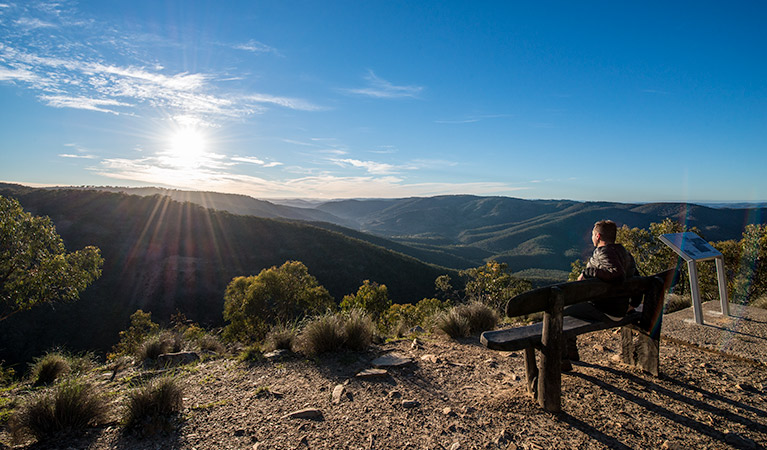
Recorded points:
(610,262)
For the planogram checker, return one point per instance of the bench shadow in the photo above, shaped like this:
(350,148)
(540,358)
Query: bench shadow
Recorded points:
(692,424)
(605,439)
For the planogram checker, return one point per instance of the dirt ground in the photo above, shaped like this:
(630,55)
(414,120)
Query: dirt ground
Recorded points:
(457,395)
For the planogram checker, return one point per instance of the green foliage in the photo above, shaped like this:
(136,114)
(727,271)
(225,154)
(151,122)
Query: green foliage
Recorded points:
(577,268)
(34,265)
(49,368)
(652,255)
(278,294)
(493,284)
(751,279)
(140,329)
(151,406)
(371,297)
(7,375)
(71,405)
(402,317)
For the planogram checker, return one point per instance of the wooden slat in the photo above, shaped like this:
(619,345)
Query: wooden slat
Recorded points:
(512,339)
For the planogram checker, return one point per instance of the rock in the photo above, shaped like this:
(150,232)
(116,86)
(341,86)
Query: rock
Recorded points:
(391,360)
(338,392)
(239,432)
(177,359)
(395,394)
(307,413)
(448,411)
(277,354)
(410,404)
(415,345)
(372,373)
(455,446)
(739,441)
(430,358)
(417,330)
(491,363)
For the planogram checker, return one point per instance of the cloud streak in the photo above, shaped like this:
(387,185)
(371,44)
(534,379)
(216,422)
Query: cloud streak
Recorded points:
(377,87)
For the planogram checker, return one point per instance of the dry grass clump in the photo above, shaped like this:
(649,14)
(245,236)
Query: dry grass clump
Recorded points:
(71,405)
(453,324)
(760,302)
(353,330)
(280,337)
(151,407)
(49,367)
(468,319)
(359,330)
(165,342)
(210,343)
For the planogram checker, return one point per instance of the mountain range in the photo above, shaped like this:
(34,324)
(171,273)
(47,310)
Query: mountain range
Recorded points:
(169,251)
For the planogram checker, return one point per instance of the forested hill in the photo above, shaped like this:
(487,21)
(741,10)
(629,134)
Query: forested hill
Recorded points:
(163,256)
(526,234)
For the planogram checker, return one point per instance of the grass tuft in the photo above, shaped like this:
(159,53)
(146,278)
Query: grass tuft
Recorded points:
(72,405)
(49,368)
(358,330)
(453,324)
(280,337)
(151,407)
(323,334)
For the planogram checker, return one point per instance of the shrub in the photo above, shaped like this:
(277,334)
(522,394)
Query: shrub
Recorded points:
(358,330)
(51,366)
(140,329)
(322,334)
(453,324)
(165,342)
(153,405)
(371,297)
(72,405)
(676,302)
(281,336)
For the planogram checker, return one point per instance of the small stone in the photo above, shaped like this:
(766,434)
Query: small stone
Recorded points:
(469,409)
(395,394)
(391,360)
(372,373)
(455,446)
(512,446)
(739,441)
(239,432)
(276,354)
(491,362)
(307,413)
(415,345)
(338,392)
(599,348)
(448,411)
(515,377)
(410,404)
(430,358)
(176,359)
(417,330)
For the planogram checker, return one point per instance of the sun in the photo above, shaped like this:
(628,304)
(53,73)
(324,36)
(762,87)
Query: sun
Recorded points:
(187,148)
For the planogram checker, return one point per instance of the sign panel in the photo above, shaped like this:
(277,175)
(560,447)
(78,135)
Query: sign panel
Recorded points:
(690,246)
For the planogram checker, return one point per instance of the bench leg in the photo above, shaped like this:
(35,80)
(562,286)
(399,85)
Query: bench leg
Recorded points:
(550,379)
(531,372)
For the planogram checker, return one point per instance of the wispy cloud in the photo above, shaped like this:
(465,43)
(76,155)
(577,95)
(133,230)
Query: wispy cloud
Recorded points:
(93,104)
(257,47)
(256,161)
(472,119)
(377,87)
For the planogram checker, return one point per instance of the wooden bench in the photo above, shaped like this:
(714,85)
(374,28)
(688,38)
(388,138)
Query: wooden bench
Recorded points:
(640,329)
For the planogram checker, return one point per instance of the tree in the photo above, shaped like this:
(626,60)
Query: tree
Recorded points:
(371,297)
(35,267)
(276,295)
(493,284)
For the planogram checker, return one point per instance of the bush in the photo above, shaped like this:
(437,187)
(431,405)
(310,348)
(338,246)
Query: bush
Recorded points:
(453,324)
(140,329)
(323,334)
(210,343)
(359,330)
(280,337)
(51,366)
(676,302)
(152,405)
(72,405)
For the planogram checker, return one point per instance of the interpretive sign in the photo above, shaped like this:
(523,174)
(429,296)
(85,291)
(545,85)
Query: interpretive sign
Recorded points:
(693,248)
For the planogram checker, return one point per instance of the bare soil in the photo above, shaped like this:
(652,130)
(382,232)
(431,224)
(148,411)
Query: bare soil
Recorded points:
(455,395)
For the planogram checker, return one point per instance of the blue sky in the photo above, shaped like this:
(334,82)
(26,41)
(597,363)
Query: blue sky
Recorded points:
(616,101)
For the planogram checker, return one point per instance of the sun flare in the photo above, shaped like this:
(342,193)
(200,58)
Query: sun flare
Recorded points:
(186,147)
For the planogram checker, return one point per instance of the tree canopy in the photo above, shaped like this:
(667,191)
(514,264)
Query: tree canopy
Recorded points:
(277,294)
(35,267)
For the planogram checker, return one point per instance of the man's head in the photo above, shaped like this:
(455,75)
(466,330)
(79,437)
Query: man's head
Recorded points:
(604,232)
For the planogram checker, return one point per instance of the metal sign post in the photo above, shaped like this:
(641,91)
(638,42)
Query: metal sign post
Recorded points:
(693,248)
